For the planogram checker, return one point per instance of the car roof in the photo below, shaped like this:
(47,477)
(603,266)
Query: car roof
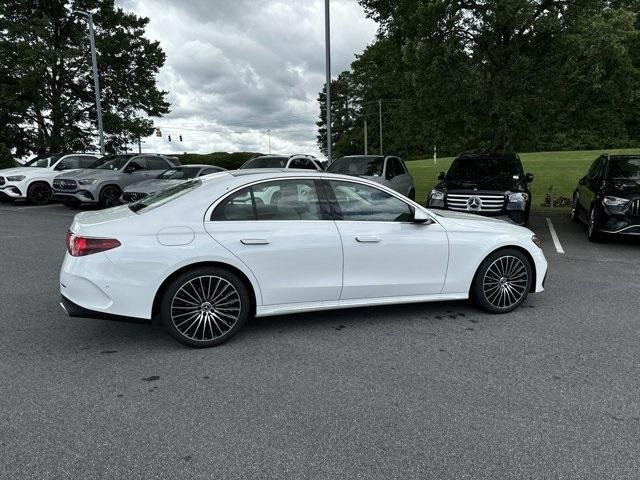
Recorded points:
(622,157)
(489,155)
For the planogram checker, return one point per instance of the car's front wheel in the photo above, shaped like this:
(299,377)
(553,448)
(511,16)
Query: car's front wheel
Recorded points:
(503,281)
(593,227)
(109,197)
(39,194)
(205,307)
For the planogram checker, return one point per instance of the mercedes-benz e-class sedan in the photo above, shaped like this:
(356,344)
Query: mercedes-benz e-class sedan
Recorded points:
(207,254)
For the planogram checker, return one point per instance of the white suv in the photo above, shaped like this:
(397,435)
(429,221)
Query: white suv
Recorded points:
(34,180)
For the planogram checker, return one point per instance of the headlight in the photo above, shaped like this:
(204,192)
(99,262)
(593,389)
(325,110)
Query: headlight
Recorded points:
(537,241)
(17,178)
(518,198)
(436,198)
(615,201)
(88,181)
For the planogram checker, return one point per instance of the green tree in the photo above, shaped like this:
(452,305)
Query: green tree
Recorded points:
(47,102)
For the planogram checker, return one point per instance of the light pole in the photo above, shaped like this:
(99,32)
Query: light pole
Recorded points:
(96,81)
(380,113)
(327,36)
(269,136)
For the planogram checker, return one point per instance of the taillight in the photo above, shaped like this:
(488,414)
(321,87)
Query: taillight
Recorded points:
(80,246)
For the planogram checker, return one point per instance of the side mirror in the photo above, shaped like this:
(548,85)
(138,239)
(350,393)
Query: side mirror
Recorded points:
(529,177)
(441,176)
(419,216)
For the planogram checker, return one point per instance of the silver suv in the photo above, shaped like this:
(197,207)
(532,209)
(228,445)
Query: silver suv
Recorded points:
(388,171)
(103,183)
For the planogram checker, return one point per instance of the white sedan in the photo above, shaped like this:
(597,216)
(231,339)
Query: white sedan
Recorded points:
(206,255)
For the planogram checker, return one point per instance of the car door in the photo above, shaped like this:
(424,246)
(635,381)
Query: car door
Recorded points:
(385,253)
(283,232)
(135,171)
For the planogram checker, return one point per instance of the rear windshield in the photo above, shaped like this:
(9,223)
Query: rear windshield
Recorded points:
(182,173)
(266,162)
(362,166)
(464,168)
(624,169)
(164,196)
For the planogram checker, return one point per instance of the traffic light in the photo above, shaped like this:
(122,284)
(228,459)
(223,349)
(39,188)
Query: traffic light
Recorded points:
(169,137)
(180,137)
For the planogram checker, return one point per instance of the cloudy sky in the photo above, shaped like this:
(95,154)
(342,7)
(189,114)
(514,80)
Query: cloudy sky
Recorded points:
(236,68)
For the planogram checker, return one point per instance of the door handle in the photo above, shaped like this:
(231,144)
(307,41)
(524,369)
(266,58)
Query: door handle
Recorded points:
(254,241)
(364,239)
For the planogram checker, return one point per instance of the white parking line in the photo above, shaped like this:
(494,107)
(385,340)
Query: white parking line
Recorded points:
(554,236)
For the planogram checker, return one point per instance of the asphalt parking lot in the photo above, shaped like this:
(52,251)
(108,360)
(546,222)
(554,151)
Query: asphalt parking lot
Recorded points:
(418,391)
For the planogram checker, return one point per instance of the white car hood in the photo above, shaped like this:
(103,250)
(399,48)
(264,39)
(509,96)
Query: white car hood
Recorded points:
(26,171)
(470,221)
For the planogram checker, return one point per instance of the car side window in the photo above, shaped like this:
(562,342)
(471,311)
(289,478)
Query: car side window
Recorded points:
(68,163)
(596,169)
(155,163)
(393,169)
(236,207)
(363,203)
(400,167)
(272,201)
(209,171)
(86,162)
(137,165)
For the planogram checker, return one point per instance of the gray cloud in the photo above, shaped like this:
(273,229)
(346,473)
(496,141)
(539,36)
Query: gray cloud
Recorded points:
(237,68)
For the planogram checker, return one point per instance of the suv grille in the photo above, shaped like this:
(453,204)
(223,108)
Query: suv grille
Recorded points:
(63,184)
(1,180)
(475,203)
(133,196)
(634,208)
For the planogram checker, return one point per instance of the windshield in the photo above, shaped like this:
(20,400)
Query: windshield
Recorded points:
(363,166)
(182,173)
(42,162)
(624,169)
(111,162)
(164,196)
(266,162)
(472,168)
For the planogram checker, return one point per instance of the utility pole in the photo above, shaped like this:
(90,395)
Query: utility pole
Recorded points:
(366,141)
(327,35)
(139,145)
(269,136)
(96,81)
(380,113)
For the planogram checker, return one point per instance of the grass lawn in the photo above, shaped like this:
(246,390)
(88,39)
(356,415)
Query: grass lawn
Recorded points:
(562,170)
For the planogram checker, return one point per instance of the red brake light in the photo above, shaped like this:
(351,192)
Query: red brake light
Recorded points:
(81,246)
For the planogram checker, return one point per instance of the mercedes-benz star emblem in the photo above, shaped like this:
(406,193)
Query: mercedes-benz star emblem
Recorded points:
(474,204)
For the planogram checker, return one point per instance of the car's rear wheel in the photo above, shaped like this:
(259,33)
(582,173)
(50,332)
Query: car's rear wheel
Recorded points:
(502,282)
(109,197)
(39,194)
(593,227)
(205,307)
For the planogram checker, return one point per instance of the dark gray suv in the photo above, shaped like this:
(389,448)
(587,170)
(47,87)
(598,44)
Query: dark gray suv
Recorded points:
(103,183)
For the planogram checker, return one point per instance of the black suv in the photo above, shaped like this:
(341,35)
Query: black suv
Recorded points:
(607,198)
(490,184)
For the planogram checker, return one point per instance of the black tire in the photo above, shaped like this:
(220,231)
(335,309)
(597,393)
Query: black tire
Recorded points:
(488,289)
(412,195)
(593,226)
(575,216)
(39,193)
(109,197)
(210,323)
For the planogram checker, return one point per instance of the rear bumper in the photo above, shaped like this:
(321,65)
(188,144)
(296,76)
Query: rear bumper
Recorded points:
(74,310)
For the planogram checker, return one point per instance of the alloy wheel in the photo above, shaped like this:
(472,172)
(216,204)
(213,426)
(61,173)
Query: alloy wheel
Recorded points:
(505,282)
(40,194)
(205,308)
